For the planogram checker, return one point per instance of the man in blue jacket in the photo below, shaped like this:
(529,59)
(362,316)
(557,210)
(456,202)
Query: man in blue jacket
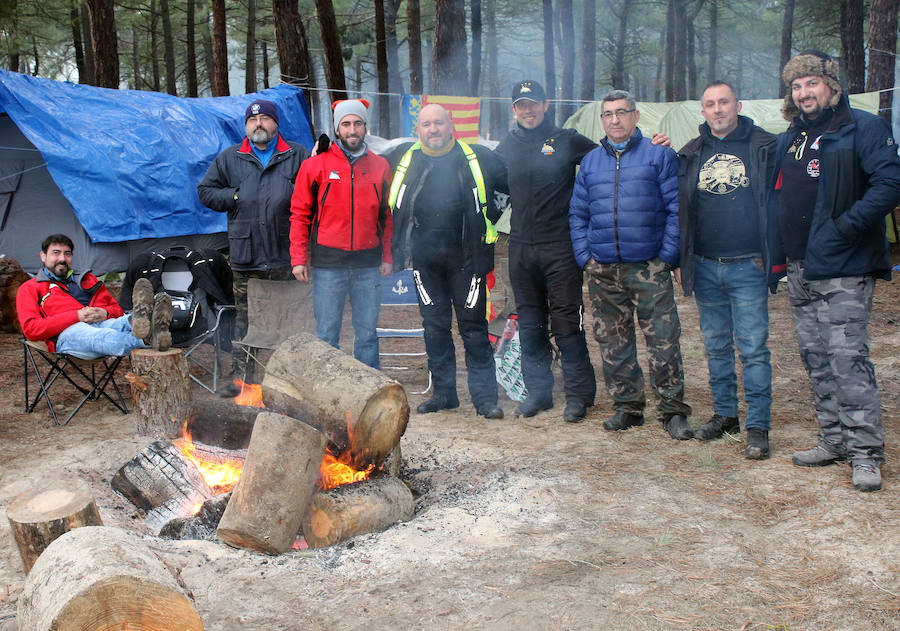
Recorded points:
(624,223)
(838,176)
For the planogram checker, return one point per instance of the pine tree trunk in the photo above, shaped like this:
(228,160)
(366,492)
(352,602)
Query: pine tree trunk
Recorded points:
(620,81)
(852,44)
(250,58)
(713,40)
(89,65)
(448,62)
(219,80)
(106,44)
(75,18)
(381,63)
(168,48)
(589,50)
(882,46)
(567,53)
(549,60)
(292,46)
(191,34)
(498,109)
(334,58)
(787,29)
(414,38)
(475,72)
(154,46)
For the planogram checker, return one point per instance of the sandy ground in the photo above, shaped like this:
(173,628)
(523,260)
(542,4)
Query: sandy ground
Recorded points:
(539,524)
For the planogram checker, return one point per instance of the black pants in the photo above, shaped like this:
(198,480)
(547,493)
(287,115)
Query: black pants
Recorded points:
(441,283)
(547,283)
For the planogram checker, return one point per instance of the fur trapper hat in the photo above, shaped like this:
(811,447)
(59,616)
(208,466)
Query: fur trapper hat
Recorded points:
(809,63)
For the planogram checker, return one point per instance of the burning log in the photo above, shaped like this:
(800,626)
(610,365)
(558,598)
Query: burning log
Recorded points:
(221,422)
(361,410)
(200,526)
(40,515)
(353,509)
(161,388)
(103,578)
(270,499)
(161,474)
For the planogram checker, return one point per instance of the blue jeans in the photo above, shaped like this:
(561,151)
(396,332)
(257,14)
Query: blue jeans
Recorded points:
(88,341)
(331,285)
(733,301)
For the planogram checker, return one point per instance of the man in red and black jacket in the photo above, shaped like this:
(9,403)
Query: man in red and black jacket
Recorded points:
(73,312)
(341,227)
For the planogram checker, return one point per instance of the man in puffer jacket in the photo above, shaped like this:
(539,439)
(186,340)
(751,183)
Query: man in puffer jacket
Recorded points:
(624,223)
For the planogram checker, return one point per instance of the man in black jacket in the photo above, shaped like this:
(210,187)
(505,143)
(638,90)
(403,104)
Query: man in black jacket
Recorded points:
(547,282)
(442,198)
(838,176)
(726,255)
(253,182)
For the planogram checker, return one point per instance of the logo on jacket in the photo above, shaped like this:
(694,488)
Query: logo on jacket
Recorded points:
(722,174)
(399,288)
(334,175)
(548,149)
(812,169)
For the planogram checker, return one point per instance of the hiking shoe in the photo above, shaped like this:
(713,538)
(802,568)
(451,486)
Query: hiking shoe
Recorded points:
(490,411)
(575,411)
(717,426)
(142,309)
(678,427)
(757,444)
(438,402)
(623,420)
(866,477)
(819,456)
(532,405)
(160,336)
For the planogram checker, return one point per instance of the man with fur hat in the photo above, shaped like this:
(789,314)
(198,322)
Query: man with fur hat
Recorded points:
(341,198)
(253,182)
(838,175)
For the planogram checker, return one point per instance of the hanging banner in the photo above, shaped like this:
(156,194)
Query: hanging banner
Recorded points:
(465,112)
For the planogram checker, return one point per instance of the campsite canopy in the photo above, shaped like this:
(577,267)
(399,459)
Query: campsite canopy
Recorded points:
(127,162)
(680,120)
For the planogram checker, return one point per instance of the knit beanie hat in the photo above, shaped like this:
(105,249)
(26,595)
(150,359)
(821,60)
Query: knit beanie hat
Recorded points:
(360,107)
(261,106)
(806,64)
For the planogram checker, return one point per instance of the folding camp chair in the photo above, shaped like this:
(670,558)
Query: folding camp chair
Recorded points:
(276,309)
(399,290)
(196,320)
(94,375)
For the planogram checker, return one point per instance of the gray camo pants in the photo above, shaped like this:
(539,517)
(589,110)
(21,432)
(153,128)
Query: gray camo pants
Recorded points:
(831,317)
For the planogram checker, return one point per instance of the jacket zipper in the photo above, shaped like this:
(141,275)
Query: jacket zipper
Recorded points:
(352,205)
(616,208)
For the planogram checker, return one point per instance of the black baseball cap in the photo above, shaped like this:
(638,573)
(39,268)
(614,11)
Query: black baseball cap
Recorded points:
(530,90)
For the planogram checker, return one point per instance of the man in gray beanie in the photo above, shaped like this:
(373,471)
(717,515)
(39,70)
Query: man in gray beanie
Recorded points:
(837,175)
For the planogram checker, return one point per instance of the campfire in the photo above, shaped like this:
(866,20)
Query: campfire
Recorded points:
(317,444)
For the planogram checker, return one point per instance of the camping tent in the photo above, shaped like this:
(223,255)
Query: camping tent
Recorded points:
(116,170)
(680,120)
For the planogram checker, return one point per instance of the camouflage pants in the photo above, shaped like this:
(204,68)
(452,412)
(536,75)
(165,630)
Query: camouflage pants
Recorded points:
(831,318)
(617,290)
(241,278)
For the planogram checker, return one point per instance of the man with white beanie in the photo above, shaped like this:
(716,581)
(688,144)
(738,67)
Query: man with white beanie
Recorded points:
(341,228)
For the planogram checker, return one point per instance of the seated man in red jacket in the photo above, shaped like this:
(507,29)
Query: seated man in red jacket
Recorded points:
(75,314)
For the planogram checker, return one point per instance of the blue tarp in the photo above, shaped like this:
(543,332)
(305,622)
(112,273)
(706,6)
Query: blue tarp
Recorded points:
(129,161)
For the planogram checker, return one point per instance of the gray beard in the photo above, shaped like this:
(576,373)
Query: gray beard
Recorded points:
(261,137)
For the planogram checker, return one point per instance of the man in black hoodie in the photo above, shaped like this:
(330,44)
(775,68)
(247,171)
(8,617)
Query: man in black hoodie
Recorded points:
(727,236)
(546,280)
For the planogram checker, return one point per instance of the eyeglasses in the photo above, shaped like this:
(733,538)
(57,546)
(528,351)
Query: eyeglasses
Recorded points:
(617,113)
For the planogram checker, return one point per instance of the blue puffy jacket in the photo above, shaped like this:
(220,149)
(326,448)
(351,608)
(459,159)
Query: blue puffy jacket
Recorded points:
(624,208)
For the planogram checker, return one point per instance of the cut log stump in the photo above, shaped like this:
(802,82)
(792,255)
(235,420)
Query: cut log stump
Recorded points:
(40,515)
(279,476)
(161,388)
(353,509)
(361,409)
(103,578)
(221,422)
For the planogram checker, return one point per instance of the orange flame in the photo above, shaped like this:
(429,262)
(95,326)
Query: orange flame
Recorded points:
(251,394)
(335,471)
(219,476)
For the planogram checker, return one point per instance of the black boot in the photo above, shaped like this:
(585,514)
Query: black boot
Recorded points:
(718,426)
(623,420)
(575,411)
(678,427)
(440,401)
(533,404)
